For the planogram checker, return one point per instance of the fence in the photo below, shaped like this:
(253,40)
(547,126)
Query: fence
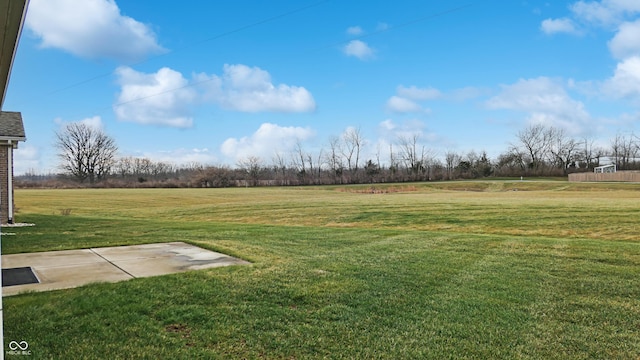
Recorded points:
(626,176)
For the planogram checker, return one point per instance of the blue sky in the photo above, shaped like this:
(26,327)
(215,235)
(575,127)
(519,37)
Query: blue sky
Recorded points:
(214,82)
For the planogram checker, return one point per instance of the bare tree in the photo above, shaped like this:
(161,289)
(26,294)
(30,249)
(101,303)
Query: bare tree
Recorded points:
(416,159)
(624,150)
(394,163)
(251,166)
(451,159)
(123,166)
(534,141)
(590,154)
(562,148)
(142,166)
(312,170)
(318,173)
(353,143)
(298,160)
(280,167)
(334,160)
(85,152)
(483,165)
(161,169)
(212,176)
(372,170)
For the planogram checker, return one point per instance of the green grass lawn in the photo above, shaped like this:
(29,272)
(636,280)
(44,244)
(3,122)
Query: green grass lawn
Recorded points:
(508,269)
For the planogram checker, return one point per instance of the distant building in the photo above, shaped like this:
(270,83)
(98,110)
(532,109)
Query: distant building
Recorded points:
(11,132)
(605,169)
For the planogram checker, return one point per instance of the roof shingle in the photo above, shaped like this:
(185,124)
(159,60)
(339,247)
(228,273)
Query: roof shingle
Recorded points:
(11,126)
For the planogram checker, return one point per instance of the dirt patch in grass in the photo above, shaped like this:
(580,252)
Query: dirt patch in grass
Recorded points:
(378,189)
(182,330)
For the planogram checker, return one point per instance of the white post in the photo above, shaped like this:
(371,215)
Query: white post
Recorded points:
(1,317)
(1,307)
(10,183)
(10,219)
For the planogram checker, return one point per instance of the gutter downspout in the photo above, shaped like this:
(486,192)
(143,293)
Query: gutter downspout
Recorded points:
(10,183)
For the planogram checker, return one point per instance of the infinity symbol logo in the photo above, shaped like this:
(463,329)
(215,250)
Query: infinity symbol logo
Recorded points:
(22,345)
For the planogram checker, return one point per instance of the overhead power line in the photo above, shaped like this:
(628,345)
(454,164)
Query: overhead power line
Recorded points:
(405,24)
(221,35)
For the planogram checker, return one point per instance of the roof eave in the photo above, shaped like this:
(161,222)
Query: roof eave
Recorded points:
(13,138)
(11,36)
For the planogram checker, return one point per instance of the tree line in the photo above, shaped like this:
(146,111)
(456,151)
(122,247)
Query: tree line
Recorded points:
(88,157)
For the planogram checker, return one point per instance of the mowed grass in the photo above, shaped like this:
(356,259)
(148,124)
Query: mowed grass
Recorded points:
(530,270)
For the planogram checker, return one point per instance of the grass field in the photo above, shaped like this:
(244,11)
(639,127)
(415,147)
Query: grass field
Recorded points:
(477,270)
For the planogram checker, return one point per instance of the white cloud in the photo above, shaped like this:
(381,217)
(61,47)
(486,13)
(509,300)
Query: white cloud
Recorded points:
(250,89)
(90,29)
(161,98)
(630,6)
(621,17)
(626,42)
(94,122)
(625,83)
(546,101)
(27,158)
(399,104)
(553,26)
(392,133)
(166,97)
(420,94)
(382,26)
(543,93)
(466,93)
(407,98)
(387,125)
(359,49)
(390,130)
(605,12)
(267,140)
(594,12)
(627,118)
(412,99)
(183,156)
(355,31)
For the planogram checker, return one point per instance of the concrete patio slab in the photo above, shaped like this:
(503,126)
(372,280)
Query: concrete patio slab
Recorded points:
(72,268)
(50,258)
